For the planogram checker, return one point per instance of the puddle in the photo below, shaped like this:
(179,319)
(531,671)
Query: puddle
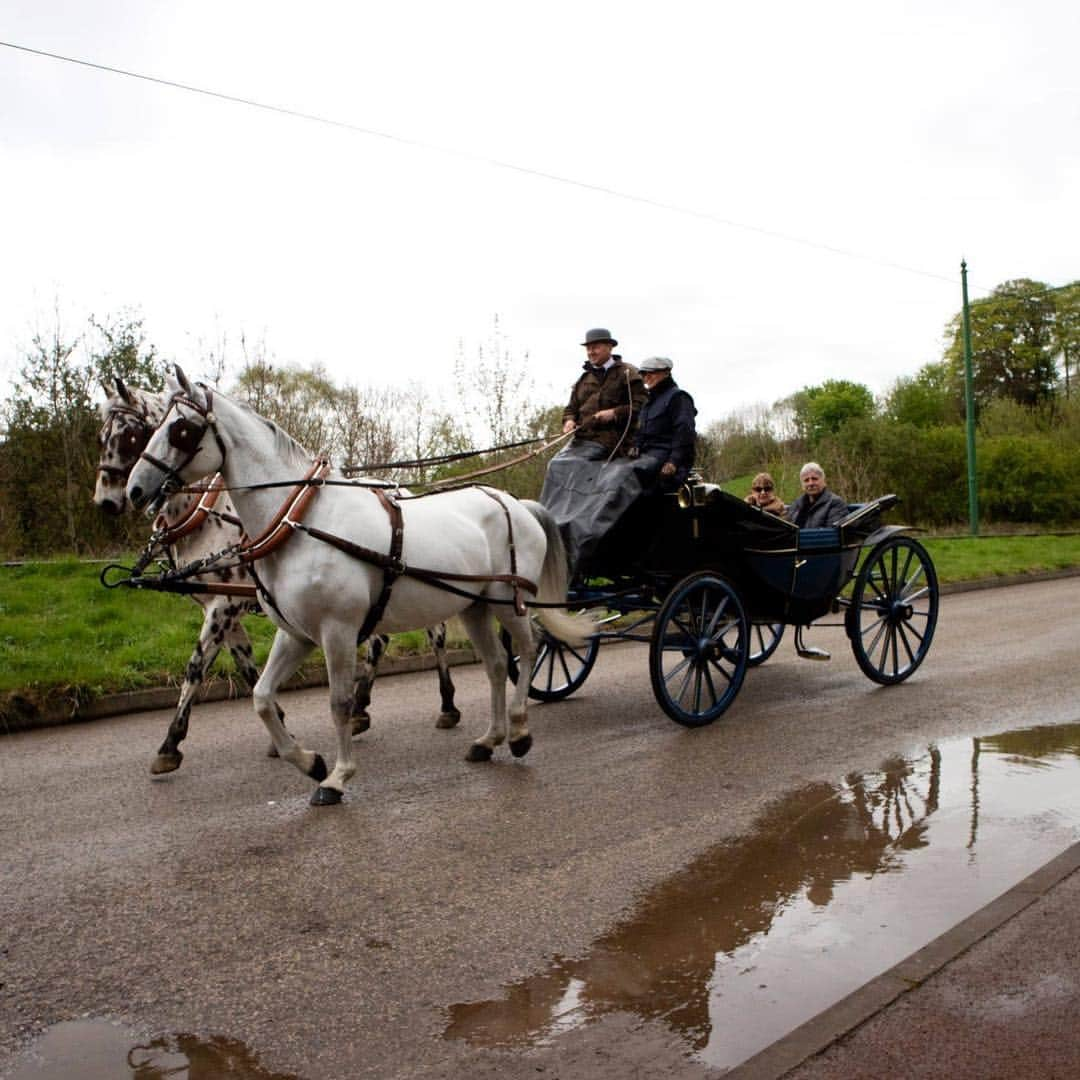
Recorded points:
(99,1050)
(836,883)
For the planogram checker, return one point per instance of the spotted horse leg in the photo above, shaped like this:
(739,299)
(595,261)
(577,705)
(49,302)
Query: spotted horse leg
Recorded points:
(216,623)
(367,664)
(450,714)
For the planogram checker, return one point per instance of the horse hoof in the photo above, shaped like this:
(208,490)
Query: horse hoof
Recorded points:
(318,769)
(165,763)
(478,752)
(448,720)
(325,796)
(520,747)
(271,751)
(361,722)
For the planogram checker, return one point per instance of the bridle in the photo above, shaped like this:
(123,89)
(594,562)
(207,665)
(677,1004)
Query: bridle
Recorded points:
(146,429)
(186,436)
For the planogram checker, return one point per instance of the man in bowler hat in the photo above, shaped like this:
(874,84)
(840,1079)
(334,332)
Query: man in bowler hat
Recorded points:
(607,397)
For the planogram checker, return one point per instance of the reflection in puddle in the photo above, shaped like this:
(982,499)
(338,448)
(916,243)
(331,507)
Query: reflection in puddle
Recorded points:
(98,1050)
(837,883)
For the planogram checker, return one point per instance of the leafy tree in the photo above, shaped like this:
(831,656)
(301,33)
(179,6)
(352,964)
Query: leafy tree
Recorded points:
(49,455)
(119,349)
(823,410)
(924,400)
(302,401)
(1012,344)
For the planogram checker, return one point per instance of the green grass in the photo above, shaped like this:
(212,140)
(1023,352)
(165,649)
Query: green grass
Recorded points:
(970,558)
(65,637)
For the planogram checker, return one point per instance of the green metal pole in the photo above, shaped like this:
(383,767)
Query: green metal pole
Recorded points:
(969,399)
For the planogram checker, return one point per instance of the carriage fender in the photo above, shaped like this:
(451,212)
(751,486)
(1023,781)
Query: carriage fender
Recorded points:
(885,532)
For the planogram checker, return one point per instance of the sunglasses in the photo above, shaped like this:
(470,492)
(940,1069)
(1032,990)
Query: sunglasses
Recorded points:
(759,490)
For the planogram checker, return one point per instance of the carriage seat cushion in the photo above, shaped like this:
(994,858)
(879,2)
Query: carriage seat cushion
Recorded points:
(818,539)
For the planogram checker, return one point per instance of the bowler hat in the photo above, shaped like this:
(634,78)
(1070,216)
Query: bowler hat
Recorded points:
(598,335)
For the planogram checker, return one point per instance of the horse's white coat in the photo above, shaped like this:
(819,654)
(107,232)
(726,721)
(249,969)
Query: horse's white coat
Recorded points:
(322,595)
(126,416)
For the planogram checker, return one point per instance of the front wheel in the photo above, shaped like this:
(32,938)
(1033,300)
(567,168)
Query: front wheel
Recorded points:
(558,670)
(894,609)
(699,649)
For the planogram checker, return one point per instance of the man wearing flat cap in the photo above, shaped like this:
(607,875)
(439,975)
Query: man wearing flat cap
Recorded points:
(606,398)
(666,433)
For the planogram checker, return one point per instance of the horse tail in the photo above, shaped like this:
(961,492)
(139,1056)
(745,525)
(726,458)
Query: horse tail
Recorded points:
(554,583)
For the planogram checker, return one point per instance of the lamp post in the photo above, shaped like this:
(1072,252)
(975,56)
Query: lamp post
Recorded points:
(969,399)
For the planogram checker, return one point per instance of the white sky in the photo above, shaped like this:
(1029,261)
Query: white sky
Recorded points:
(909,133)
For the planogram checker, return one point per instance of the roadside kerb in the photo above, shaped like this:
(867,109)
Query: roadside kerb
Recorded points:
(220,689)
(873,997)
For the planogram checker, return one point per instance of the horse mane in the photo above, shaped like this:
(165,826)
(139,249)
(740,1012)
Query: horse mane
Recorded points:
(296,453)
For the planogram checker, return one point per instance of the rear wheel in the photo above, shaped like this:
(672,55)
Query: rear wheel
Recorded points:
(894,609)
(699,650)
(764,641)
(558,670)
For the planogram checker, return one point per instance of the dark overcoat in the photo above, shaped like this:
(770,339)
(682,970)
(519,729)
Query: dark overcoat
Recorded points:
(618,387)
(666,430)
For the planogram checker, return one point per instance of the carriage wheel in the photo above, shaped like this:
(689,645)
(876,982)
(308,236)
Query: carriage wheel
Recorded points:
(699,650)
(764,641)
(894,609)
(558,670)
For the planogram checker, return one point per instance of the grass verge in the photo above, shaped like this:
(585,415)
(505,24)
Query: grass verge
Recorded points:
(65,638)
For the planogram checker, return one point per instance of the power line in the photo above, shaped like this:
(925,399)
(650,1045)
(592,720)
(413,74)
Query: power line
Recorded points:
(601,189)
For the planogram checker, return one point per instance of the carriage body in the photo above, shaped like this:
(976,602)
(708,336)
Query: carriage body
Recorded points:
(784,574)
(711,582)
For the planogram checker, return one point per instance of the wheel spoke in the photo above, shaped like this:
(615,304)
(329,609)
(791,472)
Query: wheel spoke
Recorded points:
(710,628)
(881,627)
(910,598)
(907,648)
(719,637)
(681,695)
(720,668)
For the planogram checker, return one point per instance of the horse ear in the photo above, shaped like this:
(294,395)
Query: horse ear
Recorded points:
(182,379)
(123,391)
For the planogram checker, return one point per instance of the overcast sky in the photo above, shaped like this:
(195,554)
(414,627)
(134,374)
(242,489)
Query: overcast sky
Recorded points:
(909,135)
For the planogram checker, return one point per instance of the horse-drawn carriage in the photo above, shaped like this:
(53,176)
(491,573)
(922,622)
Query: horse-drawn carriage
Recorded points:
(711,582)
(717,579)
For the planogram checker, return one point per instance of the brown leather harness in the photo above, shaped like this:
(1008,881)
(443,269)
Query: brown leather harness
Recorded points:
(289,519)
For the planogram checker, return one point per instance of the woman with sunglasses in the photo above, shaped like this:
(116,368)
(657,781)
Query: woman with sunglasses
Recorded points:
(763,495)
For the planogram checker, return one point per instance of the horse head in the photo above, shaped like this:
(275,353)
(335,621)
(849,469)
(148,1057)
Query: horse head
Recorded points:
(185,446)
(128,417)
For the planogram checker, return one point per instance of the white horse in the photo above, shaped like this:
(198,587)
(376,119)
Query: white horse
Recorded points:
(129,417)
(473,551)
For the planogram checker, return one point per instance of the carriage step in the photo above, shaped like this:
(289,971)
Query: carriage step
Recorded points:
(809,652)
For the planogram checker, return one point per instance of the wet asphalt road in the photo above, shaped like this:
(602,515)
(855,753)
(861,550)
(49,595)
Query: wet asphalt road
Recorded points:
(335,942)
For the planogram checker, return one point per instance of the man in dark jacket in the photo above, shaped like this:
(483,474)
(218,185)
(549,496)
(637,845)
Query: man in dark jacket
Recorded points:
(666,431)
(816,506)
(606,398)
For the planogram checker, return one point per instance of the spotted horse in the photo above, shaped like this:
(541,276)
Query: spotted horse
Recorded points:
(194,526)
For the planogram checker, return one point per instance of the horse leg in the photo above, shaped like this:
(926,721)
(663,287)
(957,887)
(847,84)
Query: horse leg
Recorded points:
(286,655)
(480,627)
(366,666)
(203,655)
(524,644)
(450,715)
(240,649)
(340,651)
